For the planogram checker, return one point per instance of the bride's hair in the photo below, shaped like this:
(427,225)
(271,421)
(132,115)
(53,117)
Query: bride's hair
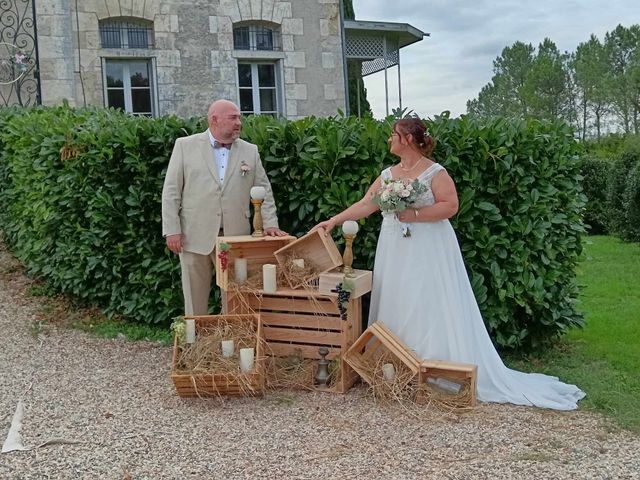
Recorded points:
(416,128)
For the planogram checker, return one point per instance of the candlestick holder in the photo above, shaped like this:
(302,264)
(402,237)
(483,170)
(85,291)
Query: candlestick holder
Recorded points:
(257,217)
(347,256)
(349,231)
(322,375)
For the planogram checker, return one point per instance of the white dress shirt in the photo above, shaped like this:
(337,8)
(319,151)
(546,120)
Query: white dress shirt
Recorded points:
(222,157)
(222,160)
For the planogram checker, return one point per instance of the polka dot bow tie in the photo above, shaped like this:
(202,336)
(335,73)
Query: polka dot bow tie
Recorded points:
(217,144)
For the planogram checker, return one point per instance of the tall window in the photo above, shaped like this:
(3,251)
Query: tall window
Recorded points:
(128,86)
(258,89)
(255,37)
(126,33)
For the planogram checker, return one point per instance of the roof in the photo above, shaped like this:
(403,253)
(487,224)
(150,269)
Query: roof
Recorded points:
(406,34)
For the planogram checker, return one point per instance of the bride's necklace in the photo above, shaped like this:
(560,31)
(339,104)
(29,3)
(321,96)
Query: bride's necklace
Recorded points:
(405,169)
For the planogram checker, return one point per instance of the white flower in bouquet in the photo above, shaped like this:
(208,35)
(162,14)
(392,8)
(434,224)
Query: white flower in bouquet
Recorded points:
(397,195)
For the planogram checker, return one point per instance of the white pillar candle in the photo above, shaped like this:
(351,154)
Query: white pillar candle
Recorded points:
(258,193)
(388,372)
(350,227)
(269,278)
(443,383)
(227,348)
(240,268)
(298,262)
(190,330)
(246,360)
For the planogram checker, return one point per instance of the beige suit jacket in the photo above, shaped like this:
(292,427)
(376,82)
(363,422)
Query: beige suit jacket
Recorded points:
(194,202)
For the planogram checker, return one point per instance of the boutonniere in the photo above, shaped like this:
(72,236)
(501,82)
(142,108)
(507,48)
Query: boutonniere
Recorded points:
(244,168)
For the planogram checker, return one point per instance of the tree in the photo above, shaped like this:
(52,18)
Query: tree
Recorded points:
(591,75)
(527,84)
(593,88)
(634,87)
(622,46)
(505,94)
(546,85)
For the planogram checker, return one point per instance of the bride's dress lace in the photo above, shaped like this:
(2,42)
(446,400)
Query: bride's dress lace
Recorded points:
(421,291)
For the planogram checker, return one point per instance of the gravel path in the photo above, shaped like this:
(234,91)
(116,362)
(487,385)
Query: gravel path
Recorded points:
(115,398)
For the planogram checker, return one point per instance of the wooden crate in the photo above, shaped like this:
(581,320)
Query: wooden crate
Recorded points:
(212,384)
(376,341)
(361,279)
(257,250)
(462,374)
(315,248)
(299,322)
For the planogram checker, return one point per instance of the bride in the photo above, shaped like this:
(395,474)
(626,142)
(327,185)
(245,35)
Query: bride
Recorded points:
(421,290)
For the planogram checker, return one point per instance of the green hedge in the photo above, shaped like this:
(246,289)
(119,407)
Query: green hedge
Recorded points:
(612,187)
(596,173)
(623,196)
(90,225)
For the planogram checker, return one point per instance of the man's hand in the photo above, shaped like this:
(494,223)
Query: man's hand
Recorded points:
(275,232)
(175,243)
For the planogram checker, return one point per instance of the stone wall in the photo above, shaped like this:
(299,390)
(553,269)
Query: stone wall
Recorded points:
(195,62)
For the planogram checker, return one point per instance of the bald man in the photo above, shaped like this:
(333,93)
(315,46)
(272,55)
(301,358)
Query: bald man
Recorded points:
(206,194)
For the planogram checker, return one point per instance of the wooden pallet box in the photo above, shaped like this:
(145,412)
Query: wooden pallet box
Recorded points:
(315,248)
(299,322)
(212,383)
(360,279)
(378,342)
(461,375)
(257,250)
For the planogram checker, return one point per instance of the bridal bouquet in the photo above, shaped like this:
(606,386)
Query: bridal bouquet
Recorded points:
(397,195)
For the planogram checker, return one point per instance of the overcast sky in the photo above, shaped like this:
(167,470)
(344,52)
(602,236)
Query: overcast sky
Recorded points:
(448,68)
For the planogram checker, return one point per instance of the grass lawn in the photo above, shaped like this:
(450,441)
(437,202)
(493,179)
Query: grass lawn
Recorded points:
(604,357)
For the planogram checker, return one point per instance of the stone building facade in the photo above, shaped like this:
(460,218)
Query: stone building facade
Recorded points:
(157,57)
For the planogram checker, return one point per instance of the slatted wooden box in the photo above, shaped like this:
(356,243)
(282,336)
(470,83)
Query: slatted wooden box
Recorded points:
(361,280)
(462,375)
(315,248)
(213,384)
(376,343)
(299,322)
(257,250)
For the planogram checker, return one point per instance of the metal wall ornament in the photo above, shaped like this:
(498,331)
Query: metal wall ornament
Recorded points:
(19,73)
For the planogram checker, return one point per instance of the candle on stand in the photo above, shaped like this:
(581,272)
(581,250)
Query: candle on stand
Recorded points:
(298,262)
(269,278)
(350,227)
(246,360)
(258,193)
(190,330)
(227,348)
(388,372)
(240,268)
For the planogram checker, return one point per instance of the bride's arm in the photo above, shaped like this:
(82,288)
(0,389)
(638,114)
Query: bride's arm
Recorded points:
(361,209)
(446,206)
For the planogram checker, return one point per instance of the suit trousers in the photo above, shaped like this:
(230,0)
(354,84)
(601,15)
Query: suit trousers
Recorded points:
(197,271)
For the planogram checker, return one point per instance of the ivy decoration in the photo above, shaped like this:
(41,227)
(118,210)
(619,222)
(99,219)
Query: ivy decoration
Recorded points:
(179,329)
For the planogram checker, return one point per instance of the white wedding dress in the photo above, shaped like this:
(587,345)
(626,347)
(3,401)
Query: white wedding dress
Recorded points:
(421,291)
